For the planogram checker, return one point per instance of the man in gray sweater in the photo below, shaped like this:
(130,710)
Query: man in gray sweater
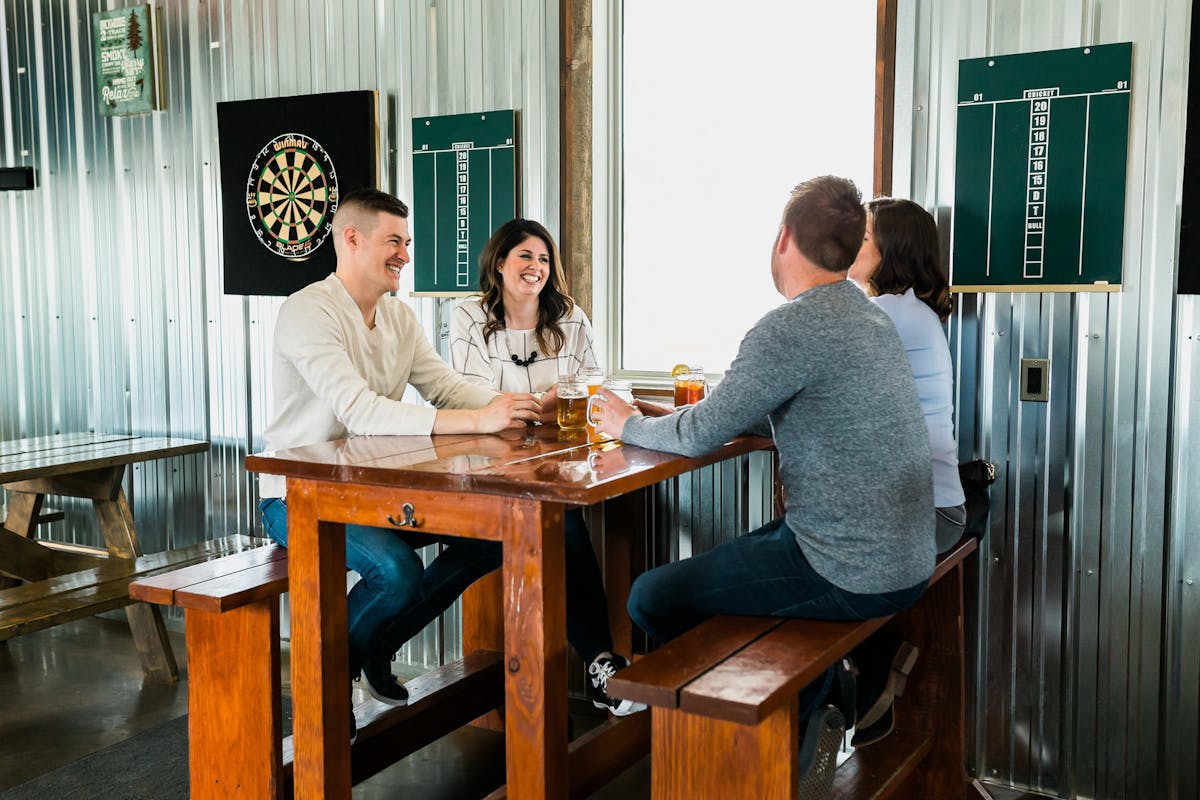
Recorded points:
(826,376)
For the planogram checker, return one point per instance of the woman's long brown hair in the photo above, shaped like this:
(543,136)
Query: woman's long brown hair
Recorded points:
(910,254)
(553,301)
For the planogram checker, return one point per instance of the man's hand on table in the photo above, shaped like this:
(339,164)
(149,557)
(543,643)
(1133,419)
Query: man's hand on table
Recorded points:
(609,413)
(506,410)
(653,409)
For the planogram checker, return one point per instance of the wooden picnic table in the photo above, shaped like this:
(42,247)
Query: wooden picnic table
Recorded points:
(89,466)
(511,487)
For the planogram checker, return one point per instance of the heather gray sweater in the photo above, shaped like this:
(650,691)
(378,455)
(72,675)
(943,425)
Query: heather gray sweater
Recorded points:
(828,372)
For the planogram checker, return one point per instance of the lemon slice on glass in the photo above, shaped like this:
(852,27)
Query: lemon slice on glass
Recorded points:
(680,369)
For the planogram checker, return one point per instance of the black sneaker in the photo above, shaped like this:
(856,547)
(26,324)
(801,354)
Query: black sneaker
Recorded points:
(603,667)
(381,683)
(822,735)
(884,662)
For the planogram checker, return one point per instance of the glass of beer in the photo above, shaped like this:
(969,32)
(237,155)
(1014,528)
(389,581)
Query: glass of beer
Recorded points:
(594,377)
(572,403)
(690,386)
(623,390)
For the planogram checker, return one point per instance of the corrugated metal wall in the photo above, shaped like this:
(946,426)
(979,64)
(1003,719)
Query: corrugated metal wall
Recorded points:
(112,316)
(1089,662)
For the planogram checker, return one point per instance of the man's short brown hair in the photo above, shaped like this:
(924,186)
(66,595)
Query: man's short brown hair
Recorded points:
(826,220)
(360,208)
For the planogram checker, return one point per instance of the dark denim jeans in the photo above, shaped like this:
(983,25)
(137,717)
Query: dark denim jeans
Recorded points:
(763,573)
(398,596)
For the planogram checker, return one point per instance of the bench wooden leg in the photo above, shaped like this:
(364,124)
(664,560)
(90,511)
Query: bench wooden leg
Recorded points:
(695,756)
(935,700)
(234,715)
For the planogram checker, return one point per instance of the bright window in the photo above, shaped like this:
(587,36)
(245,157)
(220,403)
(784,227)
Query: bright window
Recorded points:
(723,111)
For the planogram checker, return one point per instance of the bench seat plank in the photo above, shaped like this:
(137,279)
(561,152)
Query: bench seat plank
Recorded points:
(115,568)
(747,686)
(64,598)
(658,678)
(163,589)
(228,592)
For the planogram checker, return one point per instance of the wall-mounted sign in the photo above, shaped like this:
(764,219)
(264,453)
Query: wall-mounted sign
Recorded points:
(126,78)
(1039,183)
(464,187)
(285,163)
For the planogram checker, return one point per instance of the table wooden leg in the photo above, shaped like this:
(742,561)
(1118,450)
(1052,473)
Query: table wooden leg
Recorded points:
(320,676)
(23,509)
(624,535)
(535,653)
(234,719)
(145,621)
(483,629)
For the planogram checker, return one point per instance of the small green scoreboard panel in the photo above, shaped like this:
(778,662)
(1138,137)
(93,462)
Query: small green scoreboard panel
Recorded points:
(464,187)
(1039,184)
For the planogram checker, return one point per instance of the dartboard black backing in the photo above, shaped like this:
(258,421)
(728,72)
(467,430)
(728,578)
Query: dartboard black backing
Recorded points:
(285,163)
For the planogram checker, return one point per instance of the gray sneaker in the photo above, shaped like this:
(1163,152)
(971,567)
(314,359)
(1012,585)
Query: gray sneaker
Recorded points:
(603,667)
(822,735)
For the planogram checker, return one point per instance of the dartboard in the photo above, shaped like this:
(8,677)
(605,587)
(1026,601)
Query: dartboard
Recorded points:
(291,195)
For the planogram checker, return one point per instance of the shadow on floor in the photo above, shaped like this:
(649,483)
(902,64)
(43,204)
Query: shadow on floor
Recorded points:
(77,688)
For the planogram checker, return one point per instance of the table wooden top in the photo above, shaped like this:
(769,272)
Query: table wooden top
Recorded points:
(538,463)
(69,453)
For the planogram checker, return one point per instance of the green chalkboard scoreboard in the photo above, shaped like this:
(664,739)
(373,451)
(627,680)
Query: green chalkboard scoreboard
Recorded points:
(464,187)
(1039,184)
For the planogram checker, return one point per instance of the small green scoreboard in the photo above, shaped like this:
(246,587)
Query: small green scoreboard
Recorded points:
(1039,183)
(464,187)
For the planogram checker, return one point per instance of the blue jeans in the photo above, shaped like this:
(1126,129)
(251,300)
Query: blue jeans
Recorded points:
(394,581)
(763,573)
(398,596)
(588,628)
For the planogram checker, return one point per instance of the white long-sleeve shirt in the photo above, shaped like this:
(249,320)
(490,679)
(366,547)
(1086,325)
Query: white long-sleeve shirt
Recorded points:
(490,362)
(334,377)
(924,341)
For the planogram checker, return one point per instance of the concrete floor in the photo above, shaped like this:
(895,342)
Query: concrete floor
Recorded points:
(77,688)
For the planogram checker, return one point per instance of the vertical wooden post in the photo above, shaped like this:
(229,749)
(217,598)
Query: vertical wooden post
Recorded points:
(535,657)
(885,94)
(320,679)
(575,147)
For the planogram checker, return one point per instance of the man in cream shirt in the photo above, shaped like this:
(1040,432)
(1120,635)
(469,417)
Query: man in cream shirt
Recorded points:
(345,351)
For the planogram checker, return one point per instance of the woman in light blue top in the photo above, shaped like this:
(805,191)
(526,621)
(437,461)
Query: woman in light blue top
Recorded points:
(899,266)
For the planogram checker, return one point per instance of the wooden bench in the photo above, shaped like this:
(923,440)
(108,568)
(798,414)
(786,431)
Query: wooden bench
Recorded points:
(725,708)
(65,597)
(234,725)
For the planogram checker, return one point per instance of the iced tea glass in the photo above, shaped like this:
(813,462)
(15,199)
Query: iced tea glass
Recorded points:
(572,403)
(690,387)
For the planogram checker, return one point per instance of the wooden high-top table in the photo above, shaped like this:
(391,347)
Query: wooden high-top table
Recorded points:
(512,488)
